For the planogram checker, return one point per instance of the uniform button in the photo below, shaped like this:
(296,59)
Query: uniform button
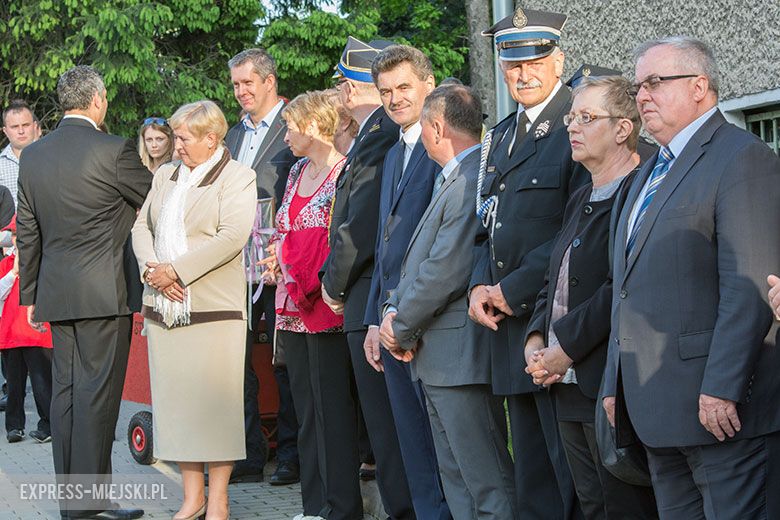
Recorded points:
(386,277)
(500,264)
(387,238)
(524,306)
(623,294)
(574,281)
(534,181)
(588,209)
(498,225)
(576,242)
(501,187)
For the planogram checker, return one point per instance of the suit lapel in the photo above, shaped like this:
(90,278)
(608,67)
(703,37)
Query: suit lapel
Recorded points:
(544,125)
(234,139)
(274,130)
(414,159)
(681,167)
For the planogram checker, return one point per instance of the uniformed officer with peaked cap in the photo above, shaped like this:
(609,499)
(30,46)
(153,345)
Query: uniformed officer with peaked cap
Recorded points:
(525,180)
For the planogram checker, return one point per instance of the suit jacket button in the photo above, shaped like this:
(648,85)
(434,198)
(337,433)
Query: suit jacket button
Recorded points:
(574,281)
(588,209)
(623,294)
(576,243)
(386,277)
(524,306)
(498,225)
(500,264)
(534,181)
(403,275)
(387,238)
(501,187)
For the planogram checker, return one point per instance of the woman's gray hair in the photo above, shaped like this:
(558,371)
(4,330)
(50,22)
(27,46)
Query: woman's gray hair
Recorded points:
(696,57)
(262,62)
(615,100)
(77,86)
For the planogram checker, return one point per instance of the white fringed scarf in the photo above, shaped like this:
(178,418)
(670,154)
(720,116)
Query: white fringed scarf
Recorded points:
(170,236)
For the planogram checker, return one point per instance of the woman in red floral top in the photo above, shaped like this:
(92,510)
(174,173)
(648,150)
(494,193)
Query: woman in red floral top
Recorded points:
(310,334)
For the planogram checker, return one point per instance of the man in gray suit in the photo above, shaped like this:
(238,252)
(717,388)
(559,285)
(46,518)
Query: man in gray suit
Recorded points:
(693,362)
(426,318)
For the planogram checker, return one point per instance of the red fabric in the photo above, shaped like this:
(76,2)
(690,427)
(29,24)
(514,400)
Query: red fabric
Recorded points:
(303,252)
(297,204)
(14,329)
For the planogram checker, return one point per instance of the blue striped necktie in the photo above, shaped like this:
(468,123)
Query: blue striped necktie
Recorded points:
(660,169)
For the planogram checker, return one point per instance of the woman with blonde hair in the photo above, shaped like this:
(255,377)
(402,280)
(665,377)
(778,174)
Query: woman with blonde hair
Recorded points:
(306,328)
(188,239)
(155,143)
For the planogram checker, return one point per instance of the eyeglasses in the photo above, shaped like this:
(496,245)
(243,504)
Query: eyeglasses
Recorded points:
(160,121)
(652,83)
(584,118)
(340,83)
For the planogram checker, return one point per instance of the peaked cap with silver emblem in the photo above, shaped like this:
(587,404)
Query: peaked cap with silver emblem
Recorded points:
(590,71)
(527,34)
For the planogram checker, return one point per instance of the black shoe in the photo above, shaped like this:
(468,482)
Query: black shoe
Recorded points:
(15,435)
(118,514)
(287,472)
(3,402)
(40,436)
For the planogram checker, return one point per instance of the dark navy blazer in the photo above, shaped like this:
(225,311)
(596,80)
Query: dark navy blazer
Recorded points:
(400,210)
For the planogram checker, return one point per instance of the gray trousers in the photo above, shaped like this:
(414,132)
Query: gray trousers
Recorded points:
(474,461)
(732,479)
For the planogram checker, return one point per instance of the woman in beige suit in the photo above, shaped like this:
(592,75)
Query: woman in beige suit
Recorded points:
(188,239)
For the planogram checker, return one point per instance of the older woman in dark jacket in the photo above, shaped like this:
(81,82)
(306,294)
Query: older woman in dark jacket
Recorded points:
(566,344)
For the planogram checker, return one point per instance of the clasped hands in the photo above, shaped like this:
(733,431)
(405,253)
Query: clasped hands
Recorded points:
(545,365)
(386,336)
(487,305)
(163,277)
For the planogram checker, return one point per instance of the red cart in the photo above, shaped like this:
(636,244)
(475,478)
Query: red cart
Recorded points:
(139,431)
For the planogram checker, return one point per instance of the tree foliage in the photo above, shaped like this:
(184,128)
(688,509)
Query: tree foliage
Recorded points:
(154,56)
(308,44)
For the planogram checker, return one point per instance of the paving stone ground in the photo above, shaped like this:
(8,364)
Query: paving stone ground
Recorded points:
(25,465)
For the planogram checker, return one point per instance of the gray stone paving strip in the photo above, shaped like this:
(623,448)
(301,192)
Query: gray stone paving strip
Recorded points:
(31,463)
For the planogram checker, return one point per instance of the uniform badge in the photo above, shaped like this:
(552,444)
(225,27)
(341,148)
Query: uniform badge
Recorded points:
(346,168)
(542,129)
(519,19)
(374,128)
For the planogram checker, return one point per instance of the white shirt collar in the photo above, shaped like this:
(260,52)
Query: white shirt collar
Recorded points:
(85,118)
(412,135)
(8,153)
(679,141)
(369,118)
(536,110)
(266,121)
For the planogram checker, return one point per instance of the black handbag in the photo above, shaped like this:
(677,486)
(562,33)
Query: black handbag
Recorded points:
(629,464)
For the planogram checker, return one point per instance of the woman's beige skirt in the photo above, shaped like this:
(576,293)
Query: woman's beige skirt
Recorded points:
(197,379)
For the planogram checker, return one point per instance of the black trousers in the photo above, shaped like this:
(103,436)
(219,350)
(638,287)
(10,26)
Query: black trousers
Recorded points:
(89,365)
(601,494)
(375,403)
(731,479)
(286,422)
(545,490)
(35,361)
(319,369)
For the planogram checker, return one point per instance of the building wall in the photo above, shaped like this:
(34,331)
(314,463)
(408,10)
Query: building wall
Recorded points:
(745,36)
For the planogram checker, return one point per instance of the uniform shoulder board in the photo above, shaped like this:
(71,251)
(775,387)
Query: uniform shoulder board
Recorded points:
(506,120)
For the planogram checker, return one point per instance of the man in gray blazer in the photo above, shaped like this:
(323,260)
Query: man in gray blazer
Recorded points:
(693,362)
(426,318)
(258,142)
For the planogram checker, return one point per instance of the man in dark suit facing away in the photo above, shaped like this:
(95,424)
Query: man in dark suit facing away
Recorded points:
(693,361)
(79,189)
